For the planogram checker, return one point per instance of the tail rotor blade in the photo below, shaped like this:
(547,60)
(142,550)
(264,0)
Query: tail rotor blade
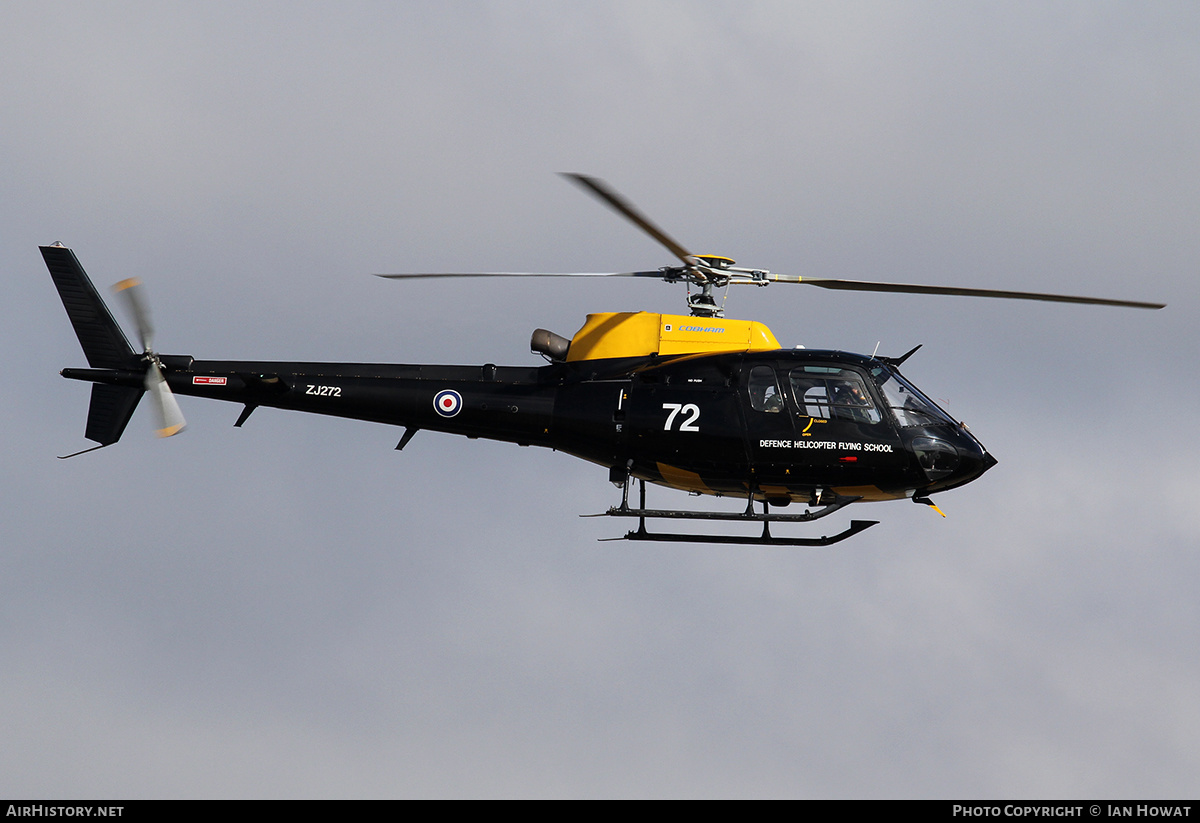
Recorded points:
(131,291)
(170,418)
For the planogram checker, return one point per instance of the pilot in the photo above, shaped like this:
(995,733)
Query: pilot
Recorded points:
(772,401)
(850,402)
(848,394)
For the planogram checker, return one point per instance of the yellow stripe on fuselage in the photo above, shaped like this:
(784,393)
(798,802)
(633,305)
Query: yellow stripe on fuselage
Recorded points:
(868,493)
(683,479)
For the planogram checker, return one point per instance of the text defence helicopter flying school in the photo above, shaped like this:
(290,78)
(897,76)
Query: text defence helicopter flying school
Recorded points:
(699,402)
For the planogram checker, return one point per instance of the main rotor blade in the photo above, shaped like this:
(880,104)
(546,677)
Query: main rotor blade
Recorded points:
(131,291)
(414,275)
(908,288)
(602,190)
(170,418)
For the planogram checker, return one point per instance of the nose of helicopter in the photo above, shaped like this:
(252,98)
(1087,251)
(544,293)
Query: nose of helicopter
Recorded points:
(973,461)
(973,465)
(951,459)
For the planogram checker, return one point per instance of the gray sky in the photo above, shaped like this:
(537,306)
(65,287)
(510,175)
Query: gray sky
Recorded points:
(294,609)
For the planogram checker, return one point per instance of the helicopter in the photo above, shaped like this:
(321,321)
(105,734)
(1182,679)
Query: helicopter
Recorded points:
(696,402)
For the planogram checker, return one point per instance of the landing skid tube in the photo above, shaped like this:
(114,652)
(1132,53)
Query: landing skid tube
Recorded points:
(767,539)
(749,516)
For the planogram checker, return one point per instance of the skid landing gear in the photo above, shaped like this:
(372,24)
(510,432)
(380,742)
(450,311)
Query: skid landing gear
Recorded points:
(748,516)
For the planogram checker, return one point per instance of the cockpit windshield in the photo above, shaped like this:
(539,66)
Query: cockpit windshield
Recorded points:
(910,407)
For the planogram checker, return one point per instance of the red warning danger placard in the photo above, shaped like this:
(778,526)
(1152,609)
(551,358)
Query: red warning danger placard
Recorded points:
(208,381)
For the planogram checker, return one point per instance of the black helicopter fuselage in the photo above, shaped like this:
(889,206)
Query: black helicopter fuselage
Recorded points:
(784,425)
(707,405)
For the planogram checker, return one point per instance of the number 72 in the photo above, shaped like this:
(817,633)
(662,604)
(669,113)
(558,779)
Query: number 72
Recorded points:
(687,423)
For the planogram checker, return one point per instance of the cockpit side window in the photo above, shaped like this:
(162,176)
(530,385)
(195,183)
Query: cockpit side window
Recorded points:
(831,392)
(764,390)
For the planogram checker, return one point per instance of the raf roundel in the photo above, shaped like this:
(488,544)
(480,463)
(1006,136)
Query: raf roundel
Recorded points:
(447,402)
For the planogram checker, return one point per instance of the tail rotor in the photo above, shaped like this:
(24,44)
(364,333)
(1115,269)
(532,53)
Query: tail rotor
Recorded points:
(170,418)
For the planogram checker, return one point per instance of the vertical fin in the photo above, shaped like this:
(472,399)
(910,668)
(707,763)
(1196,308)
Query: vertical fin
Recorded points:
(103,342)
(109,412)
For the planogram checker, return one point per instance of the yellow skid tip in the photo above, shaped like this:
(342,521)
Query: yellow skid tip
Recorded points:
(170,430)
(128,283)
(936,509)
